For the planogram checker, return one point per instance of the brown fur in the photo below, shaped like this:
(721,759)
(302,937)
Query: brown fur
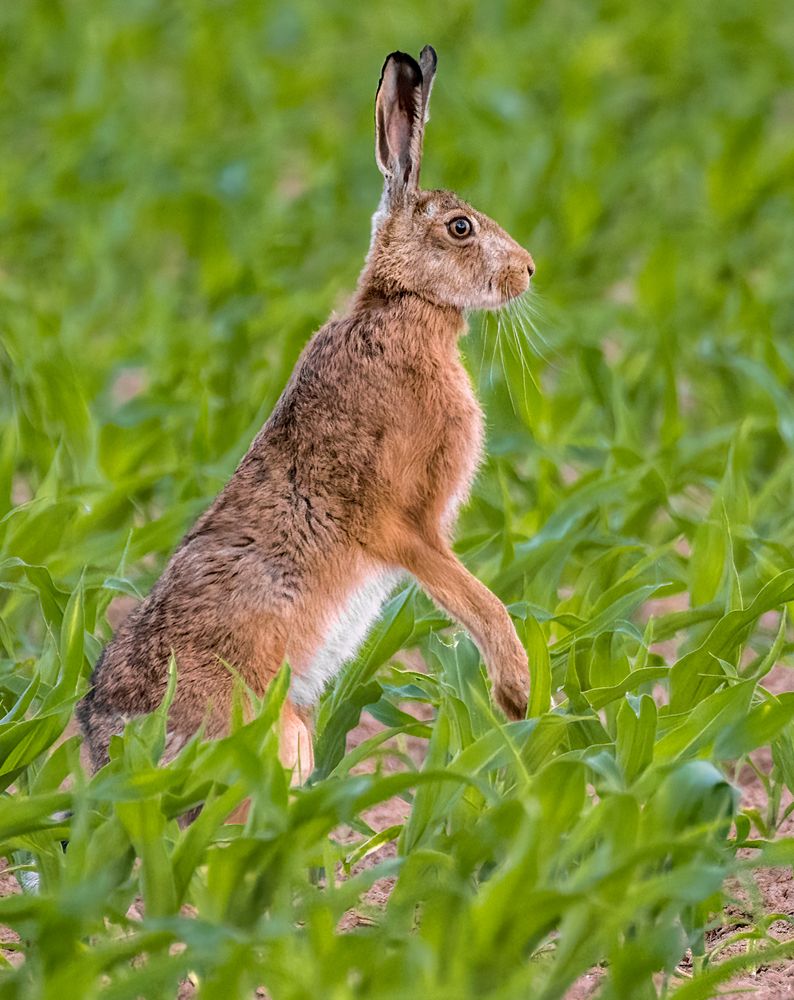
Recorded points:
(356,475)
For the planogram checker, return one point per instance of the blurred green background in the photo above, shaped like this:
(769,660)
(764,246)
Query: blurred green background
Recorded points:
(186,191)
(185,194)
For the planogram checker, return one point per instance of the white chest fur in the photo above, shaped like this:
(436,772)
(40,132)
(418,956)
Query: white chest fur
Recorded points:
(346,632)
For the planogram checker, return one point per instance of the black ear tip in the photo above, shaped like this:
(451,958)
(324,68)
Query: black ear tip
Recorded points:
(428,59)
(404,64)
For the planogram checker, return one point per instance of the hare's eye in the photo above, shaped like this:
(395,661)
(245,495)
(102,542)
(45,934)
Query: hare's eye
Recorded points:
(460,227)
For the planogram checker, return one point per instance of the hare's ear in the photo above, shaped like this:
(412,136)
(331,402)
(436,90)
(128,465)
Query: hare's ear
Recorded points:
(428,60)
(399,123)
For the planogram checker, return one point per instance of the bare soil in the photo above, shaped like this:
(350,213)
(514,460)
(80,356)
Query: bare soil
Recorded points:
(8,886)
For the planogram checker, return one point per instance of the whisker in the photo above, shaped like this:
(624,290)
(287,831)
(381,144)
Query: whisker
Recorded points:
(530,321)
(507,377)
(518,345)
(509,334)
(516,335)
(483,345)
(493,353)
(527,324)
(537,314)
(526,368)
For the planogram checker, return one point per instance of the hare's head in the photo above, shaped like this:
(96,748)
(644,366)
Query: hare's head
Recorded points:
(430,242)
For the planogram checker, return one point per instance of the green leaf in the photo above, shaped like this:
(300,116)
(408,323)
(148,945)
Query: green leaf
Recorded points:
(636,731)
(539,667)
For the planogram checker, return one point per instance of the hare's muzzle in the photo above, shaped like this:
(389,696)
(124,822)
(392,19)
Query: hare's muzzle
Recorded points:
(519,273)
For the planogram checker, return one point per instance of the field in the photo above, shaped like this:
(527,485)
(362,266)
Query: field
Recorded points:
(186,191)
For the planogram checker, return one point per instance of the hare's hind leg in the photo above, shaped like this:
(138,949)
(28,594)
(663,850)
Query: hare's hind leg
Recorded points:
(295,750)
(97,726)
(295,735)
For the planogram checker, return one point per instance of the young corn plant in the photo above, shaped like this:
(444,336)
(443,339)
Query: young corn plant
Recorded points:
(186,193)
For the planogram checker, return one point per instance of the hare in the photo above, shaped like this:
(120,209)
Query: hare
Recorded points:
(354,481)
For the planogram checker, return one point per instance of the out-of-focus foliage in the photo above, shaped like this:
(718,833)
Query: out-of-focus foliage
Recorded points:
(185,191)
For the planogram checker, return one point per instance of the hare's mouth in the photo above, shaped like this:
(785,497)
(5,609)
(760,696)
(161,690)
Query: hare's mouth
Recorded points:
(513,284)
(502,288)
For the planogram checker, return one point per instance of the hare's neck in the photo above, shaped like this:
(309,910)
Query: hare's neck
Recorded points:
(412,317)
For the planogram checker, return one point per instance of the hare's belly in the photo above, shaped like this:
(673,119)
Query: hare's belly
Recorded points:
(344,636)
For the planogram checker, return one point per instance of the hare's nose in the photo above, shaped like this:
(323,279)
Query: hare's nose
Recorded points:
(530,266)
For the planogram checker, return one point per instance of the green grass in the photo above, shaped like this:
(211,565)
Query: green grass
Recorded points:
(186,191)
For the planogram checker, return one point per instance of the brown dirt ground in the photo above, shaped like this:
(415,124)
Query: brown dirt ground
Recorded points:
(8,886)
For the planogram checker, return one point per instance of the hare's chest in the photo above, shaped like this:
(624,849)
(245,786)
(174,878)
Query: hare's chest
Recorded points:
(463,448)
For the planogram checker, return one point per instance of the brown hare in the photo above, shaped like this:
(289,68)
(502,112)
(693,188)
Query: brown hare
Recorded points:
(355,479)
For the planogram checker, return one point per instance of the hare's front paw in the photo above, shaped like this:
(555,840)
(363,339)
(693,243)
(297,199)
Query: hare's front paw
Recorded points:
(511,683)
